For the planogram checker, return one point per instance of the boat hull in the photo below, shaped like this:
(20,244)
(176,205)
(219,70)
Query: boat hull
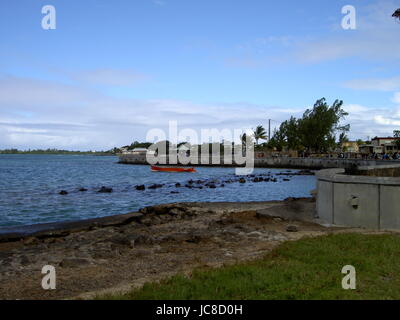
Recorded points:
(166,169)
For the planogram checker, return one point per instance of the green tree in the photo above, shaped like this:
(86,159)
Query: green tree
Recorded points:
(259,133)
(289,129)
(277,141)
(243,139)
(343,139)
(319,125)
(360,142)
(396,14)
(315,131)
(396,134)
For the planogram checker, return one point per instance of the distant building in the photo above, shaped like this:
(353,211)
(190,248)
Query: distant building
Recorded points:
(381,145)
(350,146)
(384,141)
(139,151)
(124,149)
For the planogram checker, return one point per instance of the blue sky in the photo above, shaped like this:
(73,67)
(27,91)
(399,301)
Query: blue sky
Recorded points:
(112,70)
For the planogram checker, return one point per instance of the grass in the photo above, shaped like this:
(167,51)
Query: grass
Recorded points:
(306,269)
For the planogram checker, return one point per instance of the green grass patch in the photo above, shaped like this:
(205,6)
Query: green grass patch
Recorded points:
(306,269)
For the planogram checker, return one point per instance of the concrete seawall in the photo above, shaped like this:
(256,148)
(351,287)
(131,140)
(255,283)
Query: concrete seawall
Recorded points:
(364,201)
(274,162)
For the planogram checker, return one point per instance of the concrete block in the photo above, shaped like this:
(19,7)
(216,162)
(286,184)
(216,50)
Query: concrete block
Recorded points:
(390,207)
(325,201)
(365,214)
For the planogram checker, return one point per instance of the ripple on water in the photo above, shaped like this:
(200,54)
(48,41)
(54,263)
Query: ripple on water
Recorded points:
(30,184)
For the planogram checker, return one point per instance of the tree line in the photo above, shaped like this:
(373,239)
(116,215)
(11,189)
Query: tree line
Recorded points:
(315,131)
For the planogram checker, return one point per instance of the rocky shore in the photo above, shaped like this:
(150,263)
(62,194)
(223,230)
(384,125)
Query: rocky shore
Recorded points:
(117,253)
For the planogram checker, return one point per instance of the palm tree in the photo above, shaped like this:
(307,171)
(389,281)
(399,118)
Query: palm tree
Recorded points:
(259,133)
(244,137)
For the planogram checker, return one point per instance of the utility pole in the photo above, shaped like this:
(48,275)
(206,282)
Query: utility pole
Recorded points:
(269,130)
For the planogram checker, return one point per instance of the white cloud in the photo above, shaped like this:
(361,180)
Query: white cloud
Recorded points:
(370,122)
(374,39)
(39,114)
(396,97)
(29,93)
(110,77)
(388,84)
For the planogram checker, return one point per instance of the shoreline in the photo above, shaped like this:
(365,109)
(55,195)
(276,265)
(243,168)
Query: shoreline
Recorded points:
(116,254)
(58,227)
(63,228)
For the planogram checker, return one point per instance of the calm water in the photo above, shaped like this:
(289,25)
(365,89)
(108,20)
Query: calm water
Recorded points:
(29,187)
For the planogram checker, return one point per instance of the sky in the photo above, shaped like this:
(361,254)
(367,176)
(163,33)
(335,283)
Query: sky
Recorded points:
(113,70)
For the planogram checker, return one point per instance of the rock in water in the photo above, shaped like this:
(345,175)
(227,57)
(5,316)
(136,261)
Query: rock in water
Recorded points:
(104,189)
(155,186)
(140,187)
(63,192)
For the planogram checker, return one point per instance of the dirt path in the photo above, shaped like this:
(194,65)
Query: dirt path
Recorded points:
(165,240)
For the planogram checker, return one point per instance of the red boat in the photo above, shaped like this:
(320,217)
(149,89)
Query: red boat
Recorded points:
(169,169)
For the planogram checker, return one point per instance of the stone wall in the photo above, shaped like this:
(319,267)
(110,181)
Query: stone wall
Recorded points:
(273,162)
(364,201)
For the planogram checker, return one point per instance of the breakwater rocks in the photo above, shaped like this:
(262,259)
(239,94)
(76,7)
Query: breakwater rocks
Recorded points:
(211,183)
(141,246)
(270,162)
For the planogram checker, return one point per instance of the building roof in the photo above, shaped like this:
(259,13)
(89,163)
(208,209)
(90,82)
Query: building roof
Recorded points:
(387,138)
(139,150)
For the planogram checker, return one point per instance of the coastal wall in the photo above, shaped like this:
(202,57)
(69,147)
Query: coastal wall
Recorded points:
(364,201)
(274,162)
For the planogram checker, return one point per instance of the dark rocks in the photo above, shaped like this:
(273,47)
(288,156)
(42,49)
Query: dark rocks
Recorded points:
(104,189)
(177,185)
(211,186)
(121,240)
(63,192)
(242,180)
(305,172)
(155,186)
(262,214)
(140,187)
(145,239)
(292,229)
(74,262)
(25,260)
(285,179)
(82,189)
(31,240)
